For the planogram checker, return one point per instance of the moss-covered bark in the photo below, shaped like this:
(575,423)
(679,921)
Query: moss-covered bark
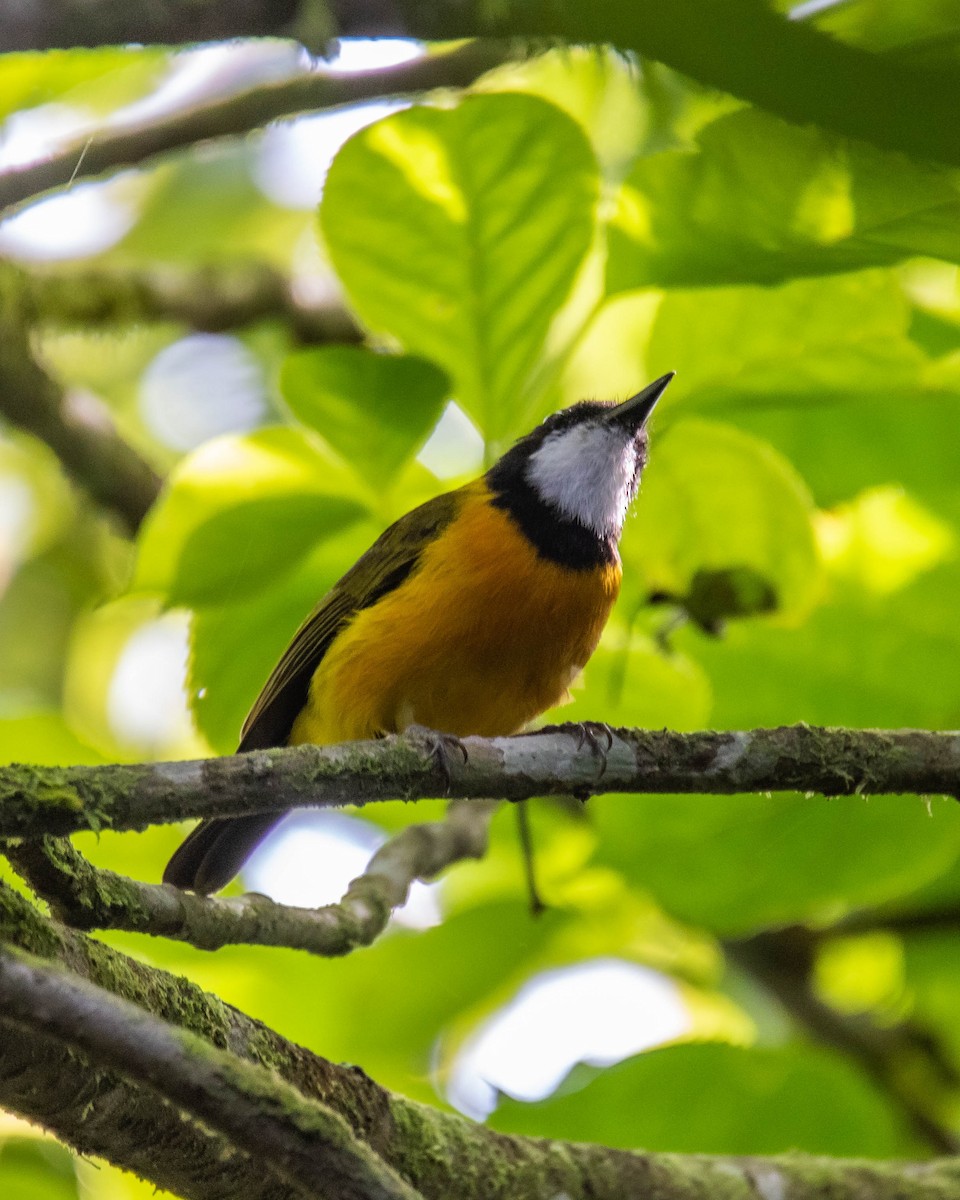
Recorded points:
(835,762)
(441,1154)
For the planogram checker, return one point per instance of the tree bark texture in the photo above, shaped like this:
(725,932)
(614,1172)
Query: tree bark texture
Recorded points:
(558,760)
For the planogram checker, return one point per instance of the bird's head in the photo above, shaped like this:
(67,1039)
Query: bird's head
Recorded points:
(584,462)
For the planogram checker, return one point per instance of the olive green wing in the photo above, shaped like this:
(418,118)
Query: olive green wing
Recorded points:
(216,849)
(388,562)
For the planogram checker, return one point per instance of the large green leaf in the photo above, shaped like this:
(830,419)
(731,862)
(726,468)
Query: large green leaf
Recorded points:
(739,863)
(31,1169)
(760,201)
(861,659)
(375,410)
(595,85)
(238,513)
(930,964)
(715,1099)
(806,341)
(460,232)
(928,31)
(842,449)
(235,645)
(716,498)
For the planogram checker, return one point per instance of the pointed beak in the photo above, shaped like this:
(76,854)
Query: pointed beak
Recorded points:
(635,412)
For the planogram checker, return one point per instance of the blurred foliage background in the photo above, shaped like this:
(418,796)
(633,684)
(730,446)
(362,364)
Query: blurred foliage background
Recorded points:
(573,225)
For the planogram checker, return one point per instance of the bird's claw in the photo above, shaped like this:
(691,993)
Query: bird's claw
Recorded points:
(440,747)
(591,733)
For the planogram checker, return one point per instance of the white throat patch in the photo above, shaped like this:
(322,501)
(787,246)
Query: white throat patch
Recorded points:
(588,473)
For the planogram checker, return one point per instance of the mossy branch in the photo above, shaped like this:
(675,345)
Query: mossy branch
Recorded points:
(83,437)
(107,151)
(745,47)
(86,898)
(555,761)
(103,1111)
(304,1143)
(210,298)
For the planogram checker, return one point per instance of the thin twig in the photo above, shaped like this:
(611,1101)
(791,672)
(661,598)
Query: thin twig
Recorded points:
(525,835)
(210,298)
(804,758)
(84,897)
(85,441)
(110,150)
(300,1140)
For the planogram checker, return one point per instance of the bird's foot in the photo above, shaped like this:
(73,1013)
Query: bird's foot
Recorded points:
(592,733)
(440,746)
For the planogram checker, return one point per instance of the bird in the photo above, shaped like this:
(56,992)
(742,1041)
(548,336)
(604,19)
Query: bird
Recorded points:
(470,615)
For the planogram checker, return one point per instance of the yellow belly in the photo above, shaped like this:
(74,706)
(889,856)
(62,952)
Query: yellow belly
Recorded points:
(482,638)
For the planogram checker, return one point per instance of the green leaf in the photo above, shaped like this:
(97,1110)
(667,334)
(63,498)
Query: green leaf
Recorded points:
(927,30)
(862,659)
(715,1099)
(460,232)
(240,511)
(376,410)
(714,498)
(843,449)
(45,739)
(31,1169)
(930,962)
(735,864)
(761,201)
(805,342)
(36,496)
(740,863)
(629,681)
(101,79)
(597,86)
(208,209)
(236,645)
(235,551)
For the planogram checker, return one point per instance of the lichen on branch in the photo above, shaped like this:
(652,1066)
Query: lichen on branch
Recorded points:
(555,761)
(84,897)
(106,1111)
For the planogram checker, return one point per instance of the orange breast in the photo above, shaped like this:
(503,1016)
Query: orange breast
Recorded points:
(483,637)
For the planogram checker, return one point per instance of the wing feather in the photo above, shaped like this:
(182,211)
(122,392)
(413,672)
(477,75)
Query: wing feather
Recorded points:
(384,567)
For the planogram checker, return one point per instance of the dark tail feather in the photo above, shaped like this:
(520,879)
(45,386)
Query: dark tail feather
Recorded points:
(216,850)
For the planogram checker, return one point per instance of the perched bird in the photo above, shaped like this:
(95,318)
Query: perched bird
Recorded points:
(472,614)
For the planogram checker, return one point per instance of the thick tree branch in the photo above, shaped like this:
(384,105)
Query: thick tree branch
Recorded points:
(53,24)
(210,299)
(108,151)
(301,1141)
(740,46)
(87,444)
(836,762)
(53,1086)
(744,47)
(442,1154)
(85,898)
(902,1060)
